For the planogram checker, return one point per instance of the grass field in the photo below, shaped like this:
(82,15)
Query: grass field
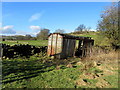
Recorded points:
(42,42)
(38,71)
(98,40)
(30,42)
(44,72)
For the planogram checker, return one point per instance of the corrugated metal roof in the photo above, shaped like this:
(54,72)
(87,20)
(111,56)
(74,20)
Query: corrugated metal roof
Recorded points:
(73,37)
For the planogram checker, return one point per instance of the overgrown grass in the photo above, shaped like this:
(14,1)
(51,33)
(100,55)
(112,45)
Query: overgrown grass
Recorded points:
(36,73)
(30,42)
(43,72)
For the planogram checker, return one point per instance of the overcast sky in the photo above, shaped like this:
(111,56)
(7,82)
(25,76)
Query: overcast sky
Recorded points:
(30,17)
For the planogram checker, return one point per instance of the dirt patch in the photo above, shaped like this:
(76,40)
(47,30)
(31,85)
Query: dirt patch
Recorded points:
(102,83)
(102,70)
(87,76)
(80,82)
(105,70)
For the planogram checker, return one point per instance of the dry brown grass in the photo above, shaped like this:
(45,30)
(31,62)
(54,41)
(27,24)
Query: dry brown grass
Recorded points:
(101,55)
(105,62)
(110,60)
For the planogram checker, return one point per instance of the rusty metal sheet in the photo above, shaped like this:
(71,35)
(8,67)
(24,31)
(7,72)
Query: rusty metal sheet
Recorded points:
(49,45)
(59,44)
(55,43)
(53,51)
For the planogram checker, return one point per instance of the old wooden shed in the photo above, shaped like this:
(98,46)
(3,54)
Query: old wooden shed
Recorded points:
(63,45)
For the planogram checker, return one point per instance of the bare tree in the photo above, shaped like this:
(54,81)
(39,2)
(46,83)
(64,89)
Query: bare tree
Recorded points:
(81,27)
(60,31)
(88,29)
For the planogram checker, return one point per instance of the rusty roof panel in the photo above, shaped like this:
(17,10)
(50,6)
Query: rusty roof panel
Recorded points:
(72,37)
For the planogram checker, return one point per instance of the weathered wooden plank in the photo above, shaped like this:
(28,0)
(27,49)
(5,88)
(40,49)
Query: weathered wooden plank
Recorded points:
(74,44)
(64,54)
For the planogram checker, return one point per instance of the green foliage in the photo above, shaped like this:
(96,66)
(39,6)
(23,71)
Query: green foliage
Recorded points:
(109,24)
(101,40)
